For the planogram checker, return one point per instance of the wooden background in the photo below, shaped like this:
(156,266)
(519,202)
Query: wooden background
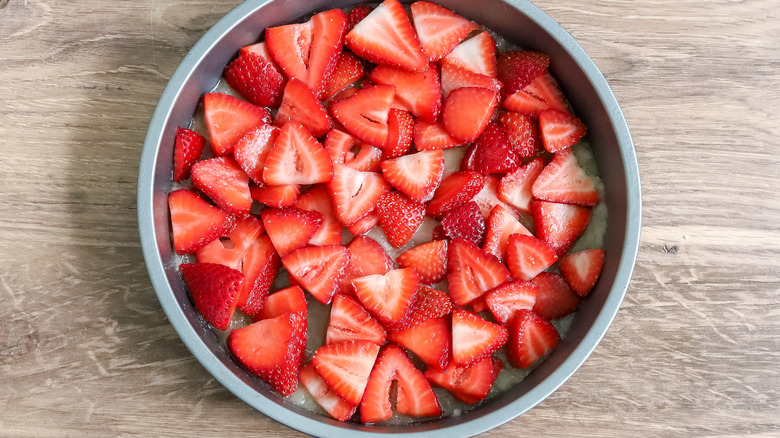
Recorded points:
(86,351)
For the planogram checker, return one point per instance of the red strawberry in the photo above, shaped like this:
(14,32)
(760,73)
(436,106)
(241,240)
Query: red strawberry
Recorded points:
(559,225)
(517,69)
(527,256)
(477,54)
(473,338)
(439,29)
(365,224)
(260,265)
(195,222)
(415,175)
(428,137)
(346,366)
(188,148)
(469,384)
(502,223)
(318,269)
(367,159)
(222,180)
(531,337)
(272,349)
(386,37)
(454,191)
(400,130)
(299,104)
(317,199)
(288,300)
(365,114)
(252,150)
(471,271)
(554,299)
(525,103)
(522,133)
(469,159)
(428,259)
(428,304)
(419,93)
(255,77)
(297,158)
(414,397)
(214,289)
(356,15)
(494,153)
(582,269)
(354,193)
(334,405)
(546,88)
(389,296)
(290,228)
(515,186)
(349,321)
(429,340)
(338,143)
(228,119)
(465,222)
(399,217)
(342,96)
(479,304)
(438,233)
(454,77)
(560,130)
(348,70)
(366,257)
(487,198)
(240,239)
(275,196)
(508,298)
(467,112)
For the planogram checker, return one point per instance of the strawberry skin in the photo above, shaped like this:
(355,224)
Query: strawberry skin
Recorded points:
(522,133)
(476,54)
(428,304)
(515,188)
(366,257)
(252,150)
(323,395)
(356,15)
(260,265)
(255,78)
(214,289)
(290,228)
(365,114)
(195,222)
(582,269)
(516,69)
(471,271)
(439,29)
(429,340)
(554,299)
(473,338)
(317,199)
(186,151)
(288,300)
(467,112)
(275,196)
(297,158)
(469,384)
(429,259)
(465,222)
(560,130)
(559,225)
(354,193)
(387,297)
(494,153)
(349,321)
(454,191)
(400,132)
(228,119)
(349,69)
(318,269)
(399,217)
(415,175)
(420,93)
(508,298)
(346,367)
(531,337)
(527,256)
(299,104)
(502,223)
(222,180)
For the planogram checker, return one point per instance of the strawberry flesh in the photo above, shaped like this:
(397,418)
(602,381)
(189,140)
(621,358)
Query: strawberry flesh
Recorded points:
(531,337)
(346,367)
(349,321)
(195,222)
(582,269)
(214,289)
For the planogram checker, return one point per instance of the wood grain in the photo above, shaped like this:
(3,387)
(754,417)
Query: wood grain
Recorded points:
(86,351)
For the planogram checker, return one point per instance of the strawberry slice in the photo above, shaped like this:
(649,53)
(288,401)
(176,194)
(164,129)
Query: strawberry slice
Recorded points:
(252,150)
(428,137)
(527,256)
(334,405)
(522,133)
(290,228)
(479,304)
(299,104)
(228,119)
(439,29)
(386,37)
(387,297)
(554,299)
(469,384)
(260,265)
(415,175)
(502,223)
(419,93)
(230,252)
(582,269)
(429,259)
(367,159)
(366,257)
(214,289)
(338,143)
(186,151)
(471,271)
(494,153)
(508,298)
(454,77)
(349,321)
(473,338)
(400,131)
(477,54)
(454,191)
(349,69)
(222,180)
(428,304)
(414,397)
(437,233)
(195,222)
(559,225)
(288,300)
(546,89)
(318,269)
(345,367)
(355,193)
(255,77)
(318,199)
(356,15)
(365,114)
(399,217)
(297,158)
(560,130)
(465,222)
(272,349)
(516,69)
(515,187)
(275,196)
(429,340)
(487,198)
(525,103)
(290,46)
(531,337)
(365,224)
(467,112)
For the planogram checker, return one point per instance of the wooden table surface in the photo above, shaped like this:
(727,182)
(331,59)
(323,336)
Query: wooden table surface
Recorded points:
(86,351)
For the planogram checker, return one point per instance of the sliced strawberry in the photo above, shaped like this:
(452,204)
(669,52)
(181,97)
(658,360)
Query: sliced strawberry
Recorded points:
(386,37)
(252,150)
(349,321)
(428,304)
(502,223)
(214,289)
(516,69)
(229,251)
(366,257)
(479,304)
(356,15)
(297,158)
(415,175)
(582,269)
(439,29)
(389,296)
(275,196)
(428,137)
(288,300)
(560,130)
(477,54)
(522,133)
(494,153)
(222,180)
(354,193)
(429,259)
(349,69)
(487,198)
(260,266)
(465,222)
(195,222)
(546,88)
(471,271)
(554,299)
(559,225)
(186,151)
(228,119)
(365,114)
(367,159)
(525,103)
(454,77)
(454,191)
(318,199)
(438,233)
(272,349)
(365,224)
(527,256)
(531,337)
(469,159)
(400,131)
(299,104)
(467,112)
(473,338)
(318,269)
(254,77)
(469,384)
(346,366)
(515,187)
(334,405)
(399,217)
(290,46)
(420,93)
(338,143)
(290,228)
(414,398)
(429,340)
(508,298)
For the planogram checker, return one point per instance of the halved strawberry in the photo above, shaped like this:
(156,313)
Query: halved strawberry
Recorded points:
(317,199)
(502,223)
(354,193)
(366,257)
(387,297)
(255,77)
(473,338)
(399,217)
(428,304)
(429,259)
(454,77)
(523,102)
(415,175)
(516,69)
(356,15)
(318,269)
(400,131)
(288,300)
(365,114)
(214,289)
(230,252)
(346,366)
(334,405)
(554,299)
(531,337)
(515,186)
(527,256)
(386,37)
(186,151)
(429,340)
(367,158)
(508,298)
(260,266)
(297,158)
(582,269)
(522,133)
(477,54)
(275,196)
(349,69)
(222,180)
(419,93)
(487,198)
(559,225)
(195,222)
(454,191)
(252,150)
(272,349)
(469,384)
(414,397)
(349,321)
(365,224)
(560,130)
(228,119)
(439,29)
(299,104)
(428,137)
(467,112)
(465,222)
(290,46)
(494,153)
(471,271)
(546,88)
(290,228)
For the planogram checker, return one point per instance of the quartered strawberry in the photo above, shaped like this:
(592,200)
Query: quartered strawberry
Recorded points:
(288,300)
(414,396)
(439,29)
(356,15)
(471,271)
(508,298)
(429,259)
(367,159)
(559,225)
(522,133)
(531,337)
(515,187)
(318,269)
(387,37)
(195,222)
(487,198)
(334,405)
(290,228)
(228,119)
(252,150)
(419,93)
(297,158)
(473,338)
(256,78)
(399,217)
(454,191)
(469,384)
(429,340)
(516,69)
(299,104)
(502,223)
(554,299)
(527,256)
(454,77)
(366,257)
(428,304)
(230,253)
(400,131)
(523,102)
(272,349)
(546,88)
(214,289)
(465,222)
(365,224)
(477,54)
(560,130)
(365,114)
(494,153)
(222,180)
(355,193)
(467,112)
(349,69)
(317,199)
(564,181)
(186,151)
(260,266)
(415,175)
(349,321)
(428,137)
(387,297)
(582,269)
(275,196)
(346,366)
